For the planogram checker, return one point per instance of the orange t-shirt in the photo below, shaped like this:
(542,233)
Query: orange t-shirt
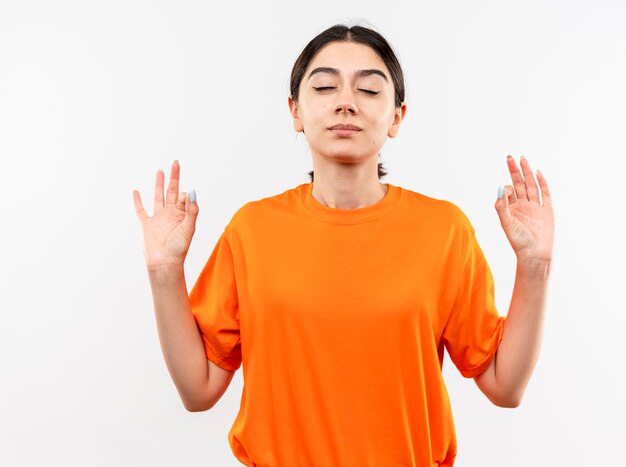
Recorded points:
(340,318)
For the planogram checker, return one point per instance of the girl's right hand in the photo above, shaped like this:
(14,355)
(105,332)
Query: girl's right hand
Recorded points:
(168,233)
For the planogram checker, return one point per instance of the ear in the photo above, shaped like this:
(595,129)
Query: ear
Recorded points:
(398,116)
(293,108)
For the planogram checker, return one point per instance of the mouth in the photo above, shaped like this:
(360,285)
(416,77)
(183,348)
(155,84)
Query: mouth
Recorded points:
(345,130)
(341,126)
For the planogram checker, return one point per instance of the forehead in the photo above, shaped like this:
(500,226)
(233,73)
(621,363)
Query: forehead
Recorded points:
(347,57)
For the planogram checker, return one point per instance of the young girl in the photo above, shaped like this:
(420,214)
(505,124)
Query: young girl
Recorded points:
(338,296)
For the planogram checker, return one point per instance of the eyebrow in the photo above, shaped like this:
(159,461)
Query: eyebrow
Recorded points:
(358,73)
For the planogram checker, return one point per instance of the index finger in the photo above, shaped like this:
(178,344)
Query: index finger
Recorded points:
(172,187)
(518,181)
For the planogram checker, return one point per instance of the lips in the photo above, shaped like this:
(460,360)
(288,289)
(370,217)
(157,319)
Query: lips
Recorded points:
(341,126)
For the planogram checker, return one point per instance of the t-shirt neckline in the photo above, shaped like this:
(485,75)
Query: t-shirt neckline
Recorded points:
(349,216)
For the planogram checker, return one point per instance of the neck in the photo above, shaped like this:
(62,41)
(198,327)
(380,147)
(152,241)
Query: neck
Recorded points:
(348,194)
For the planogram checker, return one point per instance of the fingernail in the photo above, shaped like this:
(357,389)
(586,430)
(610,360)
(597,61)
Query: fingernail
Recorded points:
(522,157)
(500,192)
(192,196)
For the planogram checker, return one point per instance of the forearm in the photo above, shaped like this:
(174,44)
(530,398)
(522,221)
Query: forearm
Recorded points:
(180,339)
(523,329)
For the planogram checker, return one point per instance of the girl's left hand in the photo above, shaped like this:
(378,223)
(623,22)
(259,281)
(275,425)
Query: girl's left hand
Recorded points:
(528,222)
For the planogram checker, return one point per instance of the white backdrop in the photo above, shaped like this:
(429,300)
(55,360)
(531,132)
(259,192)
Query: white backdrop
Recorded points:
(96,96)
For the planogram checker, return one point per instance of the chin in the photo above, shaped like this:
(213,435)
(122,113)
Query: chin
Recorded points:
(347,157)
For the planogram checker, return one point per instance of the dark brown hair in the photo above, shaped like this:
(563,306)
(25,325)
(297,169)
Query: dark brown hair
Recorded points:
(361,35)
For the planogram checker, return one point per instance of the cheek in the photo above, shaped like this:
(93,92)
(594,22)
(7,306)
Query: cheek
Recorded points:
(315,115)
(383,121)
(387,117)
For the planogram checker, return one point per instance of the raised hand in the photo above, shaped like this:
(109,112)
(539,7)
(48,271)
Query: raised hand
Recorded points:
(168,233)
(527,220)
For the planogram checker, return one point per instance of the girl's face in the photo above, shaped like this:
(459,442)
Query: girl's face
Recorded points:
(347,83)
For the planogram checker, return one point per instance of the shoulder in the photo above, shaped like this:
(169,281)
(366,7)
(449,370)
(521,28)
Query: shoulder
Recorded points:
(441,211)
(264,209)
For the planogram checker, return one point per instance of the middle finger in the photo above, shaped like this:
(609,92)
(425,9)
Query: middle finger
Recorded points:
(531,185)
(158,192)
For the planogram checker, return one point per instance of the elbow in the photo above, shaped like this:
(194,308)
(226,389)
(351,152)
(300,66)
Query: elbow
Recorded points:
(198,405)
(510,402)
(193,408)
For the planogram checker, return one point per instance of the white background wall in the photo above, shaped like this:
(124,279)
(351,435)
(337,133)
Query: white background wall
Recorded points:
(96,96)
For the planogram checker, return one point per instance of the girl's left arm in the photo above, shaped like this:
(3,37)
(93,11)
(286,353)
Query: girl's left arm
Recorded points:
(528,223)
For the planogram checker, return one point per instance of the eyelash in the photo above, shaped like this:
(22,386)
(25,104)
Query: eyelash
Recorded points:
(330,87)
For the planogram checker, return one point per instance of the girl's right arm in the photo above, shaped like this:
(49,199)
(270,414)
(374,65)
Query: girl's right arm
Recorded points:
(199,381)
(166,239)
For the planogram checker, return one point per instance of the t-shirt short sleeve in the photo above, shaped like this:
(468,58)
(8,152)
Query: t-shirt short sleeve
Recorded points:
(215,307)
(474,328)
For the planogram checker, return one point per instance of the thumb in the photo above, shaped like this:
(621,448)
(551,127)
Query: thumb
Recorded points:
(502,207)
(191,212)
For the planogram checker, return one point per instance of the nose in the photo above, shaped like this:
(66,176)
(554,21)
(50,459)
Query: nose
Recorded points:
(346,103)
(346,108)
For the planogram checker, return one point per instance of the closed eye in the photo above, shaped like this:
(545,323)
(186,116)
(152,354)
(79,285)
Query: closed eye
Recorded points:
(324,88)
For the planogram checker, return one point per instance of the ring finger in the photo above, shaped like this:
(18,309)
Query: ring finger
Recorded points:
(510,193)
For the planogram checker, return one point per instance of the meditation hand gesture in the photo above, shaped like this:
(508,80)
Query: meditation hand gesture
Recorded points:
(167,234)
(528,222)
